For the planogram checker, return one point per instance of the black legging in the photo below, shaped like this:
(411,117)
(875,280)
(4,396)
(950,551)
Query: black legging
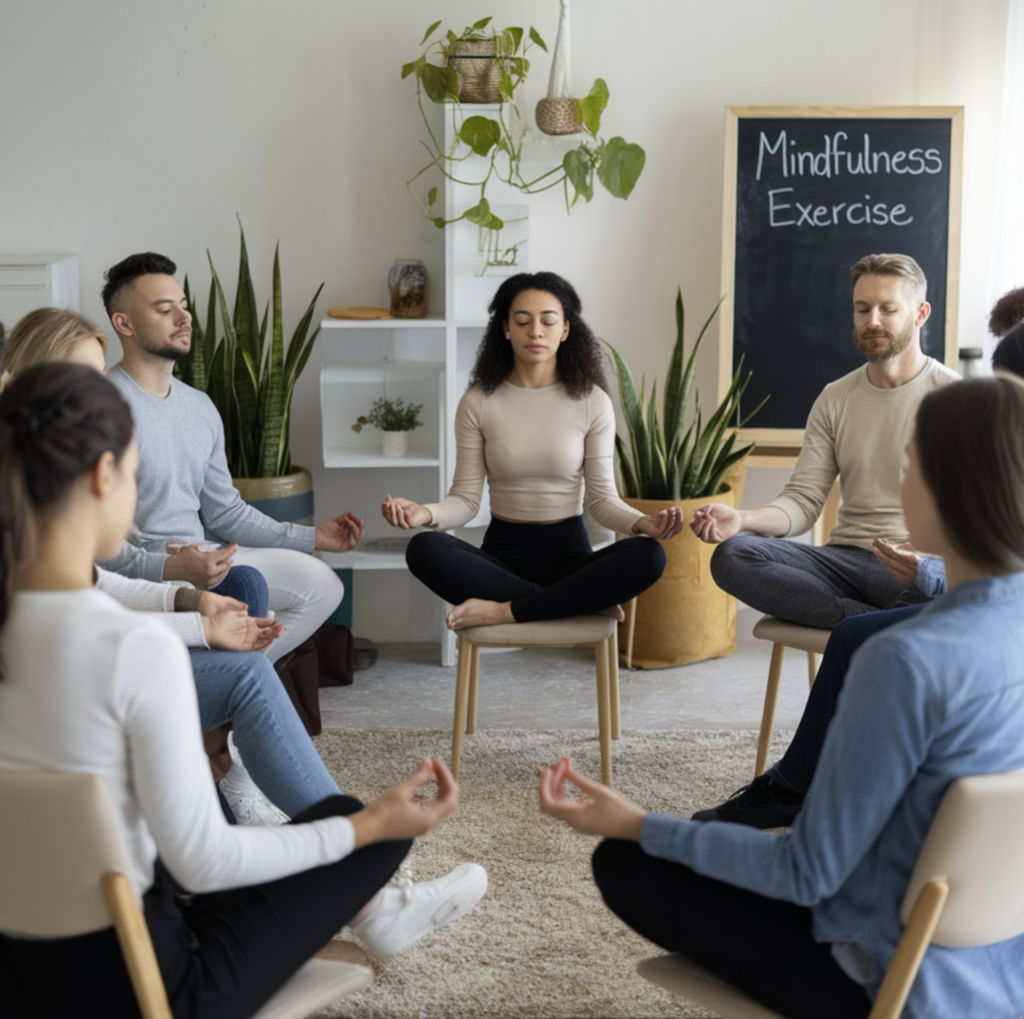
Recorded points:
(546,571)
(222,955)
(762,946)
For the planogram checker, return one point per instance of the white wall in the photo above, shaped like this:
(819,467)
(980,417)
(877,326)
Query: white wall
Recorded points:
(130,126)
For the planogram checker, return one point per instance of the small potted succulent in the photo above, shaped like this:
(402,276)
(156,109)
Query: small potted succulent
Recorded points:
(396,419)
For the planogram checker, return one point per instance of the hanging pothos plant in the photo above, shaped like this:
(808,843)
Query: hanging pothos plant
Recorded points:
(615,163)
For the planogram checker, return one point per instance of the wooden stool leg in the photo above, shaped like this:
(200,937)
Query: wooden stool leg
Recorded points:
(465,653)
(474,684)
(812,667)
(768,715)
(613,682)
(603,712)
(630,625)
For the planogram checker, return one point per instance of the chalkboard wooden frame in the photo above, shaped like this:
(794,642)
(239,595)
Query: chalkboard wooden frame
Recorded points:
(787,438)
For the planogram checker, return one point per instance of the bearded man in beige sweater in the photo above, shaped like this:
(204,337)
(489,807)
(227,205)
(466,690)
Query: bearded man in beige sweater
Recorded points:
(857,431)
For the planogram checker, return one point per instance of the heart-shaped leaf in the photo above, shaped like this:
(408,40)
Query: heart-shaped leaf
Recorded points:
(590,108)
(481,134)
(579,169)
(620,165)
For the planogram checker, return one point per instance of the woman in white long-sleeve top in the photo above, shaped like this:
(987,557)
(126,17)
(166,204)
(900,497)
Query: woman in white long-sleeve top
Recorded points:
(806,923)
(114,696)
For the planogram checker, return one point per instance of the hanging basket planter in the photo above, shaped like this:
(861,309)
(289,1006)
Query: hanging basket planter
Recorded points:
(473,60)
(558,116)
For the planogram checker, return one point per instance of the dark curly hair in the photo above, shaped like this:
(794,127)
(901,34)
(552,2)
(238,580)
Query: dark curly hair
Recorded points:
(580,360)
(1007,312)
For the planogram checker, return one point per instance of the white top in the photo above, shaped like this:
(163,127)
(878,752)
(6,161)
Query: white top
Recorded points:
(114,696)
(146,596)
(858,433)
(543,453)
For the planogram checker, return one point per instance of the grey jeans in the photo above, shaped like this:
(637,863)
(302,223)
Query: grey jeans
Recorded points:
(807,584)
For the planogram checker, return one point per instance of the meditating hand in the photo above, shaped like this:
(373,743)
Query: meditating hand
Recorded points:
(404,513)
(600,811)
(228,626)
(900,560)
(403,812)
(339,534)
(201,569)
(664,524)
(715,522)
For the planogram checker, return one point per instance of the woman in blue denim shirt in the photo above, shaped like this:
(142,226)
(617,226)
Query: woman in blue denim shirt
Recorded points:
(806,923)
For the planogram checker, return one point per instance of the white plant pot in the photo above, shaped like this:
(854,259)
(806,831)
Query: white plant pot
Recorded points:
(396,443)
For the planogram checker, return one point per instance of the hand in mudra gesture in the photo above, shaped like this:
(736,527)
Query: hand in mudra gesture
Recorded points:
(665,524)
(404,513)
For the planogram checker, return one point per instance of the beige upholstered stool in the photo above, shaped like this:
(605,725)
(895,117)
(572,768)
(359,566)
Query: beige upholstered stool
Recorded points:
(597,632)
(965,891)
(783,635)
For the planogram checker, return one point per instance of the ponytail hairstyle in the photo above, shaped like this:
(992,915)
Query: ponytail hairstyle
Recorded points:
(56,421)
(580,361)
(970,446)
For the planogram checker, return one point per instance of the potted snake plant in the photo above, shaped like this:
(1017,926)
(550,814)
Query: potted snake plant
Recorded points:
(681,458)
(250,373)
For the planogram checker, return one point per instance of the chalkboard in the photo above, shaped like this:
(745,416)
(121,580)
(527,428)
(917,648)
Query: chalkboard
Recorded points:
(808,192)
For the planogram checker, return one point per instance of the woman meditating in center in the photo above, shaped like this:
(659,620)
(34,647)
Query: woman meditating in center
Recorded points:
(537,422)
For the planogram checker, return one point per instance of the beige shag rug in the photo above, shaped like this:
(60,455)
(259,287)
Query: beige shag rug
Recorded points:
(540,943)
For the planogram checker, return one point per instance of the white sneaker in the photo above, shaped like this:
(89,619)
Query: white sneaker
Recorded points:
(244,797)
(410,911)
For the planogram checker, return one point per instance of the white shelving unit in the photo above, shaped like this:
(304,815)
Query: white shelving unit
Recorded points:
(424,361)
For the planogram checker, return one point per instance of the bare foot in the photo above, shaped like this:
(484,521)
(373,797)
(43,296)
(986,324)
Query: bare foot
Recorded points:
(615,612)
(477,612)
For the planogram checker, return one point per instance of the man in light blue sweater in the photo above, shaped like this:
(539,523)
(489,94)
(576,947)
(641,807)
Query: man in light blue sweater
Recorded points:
(185,489)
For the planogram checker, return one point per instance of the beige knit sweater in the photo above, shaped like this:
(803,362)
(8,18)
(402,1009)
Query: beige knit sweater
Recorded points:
(858,432)
(544,456)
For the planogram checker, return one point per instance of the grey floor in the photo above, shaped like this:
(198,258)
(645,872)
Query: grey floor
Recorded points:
(554,689)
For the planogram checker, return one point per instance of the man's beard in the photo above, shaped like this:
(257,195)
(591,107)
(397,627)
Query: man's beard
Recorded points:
(173,353)
(898,342)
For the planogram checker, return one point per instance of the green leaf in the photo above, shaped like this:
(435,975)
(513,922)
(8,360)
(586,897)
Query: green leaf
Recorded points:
(589,109)
(579,168)
(439,83)
(481,134)
(511,38)
(440,222)
(428,33)
(620,166)
(482,23)
(431,196)
(412,67)
(505,85)
(479,214)
(535,37)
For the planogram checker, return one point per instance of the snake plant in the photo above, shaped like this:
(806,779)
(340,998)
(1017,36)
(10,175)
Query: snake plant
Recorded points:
(665,459)
(249,380)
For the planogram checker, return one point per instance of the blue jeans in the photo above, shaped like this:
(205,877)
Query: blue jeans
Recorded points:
(241,687)
(796,767)
(248,585)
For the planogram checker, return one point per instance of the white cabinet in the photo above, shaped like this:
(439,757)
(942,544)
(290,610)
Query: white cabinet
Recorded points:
(28,282)
(425,361)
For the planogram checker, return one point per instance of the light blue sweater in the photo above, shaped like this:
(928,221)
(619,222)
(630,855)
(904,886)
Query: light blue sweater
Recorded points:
(185,488)
(925,702)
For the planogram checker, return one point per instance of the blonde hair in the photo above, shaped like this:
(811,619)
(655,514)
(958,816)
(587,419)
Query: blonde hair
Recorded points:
(47,334)
(902,266)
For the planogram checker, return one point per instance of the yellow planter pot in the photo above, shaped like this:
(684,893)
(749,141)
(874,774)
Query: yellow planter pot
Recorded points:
(685,617)
(288,498)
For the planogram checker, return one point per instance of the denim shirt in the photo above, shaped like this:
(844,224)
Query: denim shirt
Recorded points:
(925,702)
